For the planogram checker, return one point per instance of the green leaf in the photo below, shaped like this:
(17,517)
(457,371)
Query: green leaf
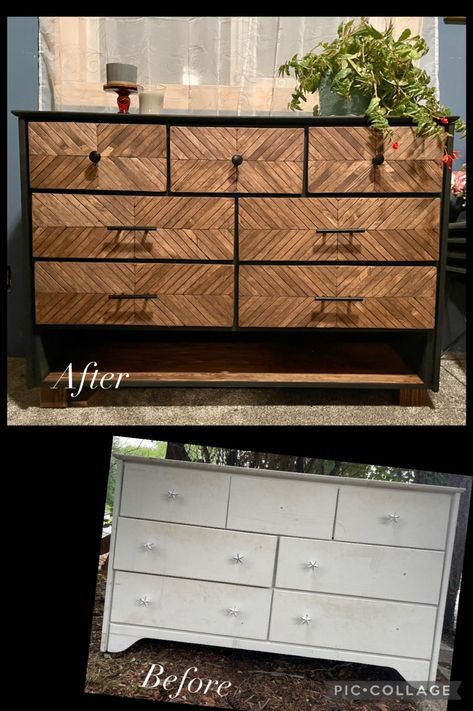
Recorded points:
(404,35)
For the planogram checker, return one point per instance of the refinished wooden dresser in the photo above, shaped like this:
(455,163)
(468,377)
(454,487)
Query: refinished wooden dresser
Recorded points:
(316,566)
(214,250)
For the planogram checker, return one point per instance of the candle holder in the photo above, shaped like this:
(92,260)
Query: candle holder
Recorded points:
(123,89)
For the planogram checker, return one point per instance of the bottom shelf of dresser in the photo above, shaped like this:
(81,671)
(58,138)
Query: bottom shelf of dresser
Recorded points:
(213,359)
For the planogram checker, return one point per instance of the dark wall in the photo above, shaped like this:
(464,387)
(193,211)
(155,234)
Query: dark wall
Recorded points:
(452,80)
(22,83)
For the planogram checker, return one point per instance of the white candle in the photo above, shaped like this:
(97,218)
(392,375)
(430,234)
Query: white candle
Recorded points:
(121,72)
(151,100)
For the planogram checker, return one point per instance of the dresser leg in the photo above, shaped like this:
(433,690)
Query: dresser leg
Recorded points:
(53,398)
(61,397)
(414,397)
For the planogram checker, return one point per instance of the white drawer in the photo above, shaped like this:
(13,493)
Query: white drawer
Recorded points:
(295,508)
(191,605)
(358,569)
(192,552)
(171,494)
(392,517)
(362,625)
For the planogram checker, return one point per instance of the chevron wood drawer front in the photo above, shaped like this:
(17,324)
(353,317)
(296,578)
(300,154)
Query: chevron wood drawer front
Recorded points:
(132,157)
(283,296)
(139,294)
(185,228)
(395,229)
(78,226)
(187,294)
(79,293)
(299,229)
(285,229)
(341,161)
(342,297)
(201,159)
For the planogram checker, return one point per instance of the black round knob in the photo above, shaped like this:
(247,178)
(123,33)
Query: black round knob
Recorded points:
(237,160)
(378,159)
(94,156)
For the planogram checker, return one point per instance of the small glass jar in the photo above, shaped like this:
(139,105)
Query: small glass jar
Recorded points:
(151,99)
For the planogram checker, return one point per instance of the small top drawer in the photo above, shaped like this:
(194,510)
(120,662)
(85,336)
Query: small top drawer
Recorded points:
(97,156)
(341,161)
(172,494)
(293,508)
(392,517)
(229,160)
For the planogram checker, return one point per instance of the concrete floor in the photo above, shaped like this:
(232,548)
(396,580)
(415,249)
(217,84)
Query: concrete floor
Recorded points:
(244,406)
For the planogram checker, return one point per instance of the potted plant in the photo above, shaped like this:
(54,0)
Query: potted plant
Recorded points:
(375,73)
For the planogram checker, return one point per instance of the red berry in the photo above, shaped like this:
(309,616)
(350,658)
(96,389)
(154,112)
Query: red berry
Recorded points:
(395,145)
(444,119)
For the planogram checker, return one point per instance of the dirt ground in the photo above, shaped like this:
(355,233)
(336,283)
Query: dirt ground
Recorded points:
(259,680)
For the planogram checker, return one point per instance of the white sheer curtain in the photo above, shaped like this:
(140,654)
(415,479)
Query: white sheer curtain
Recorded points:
(207,63)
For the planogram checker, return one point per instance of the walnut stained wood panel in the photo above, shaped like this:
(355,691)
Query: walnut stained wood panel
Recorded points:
(188,294)
(393,297)
(78,292)
(285,229)
(340,161)
(176,295)
(75,226)
(186,228)
(132,157)
(201,159)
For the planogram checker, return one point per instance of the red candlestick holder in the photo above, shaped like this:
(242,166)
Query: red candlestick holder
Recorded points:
(123,90)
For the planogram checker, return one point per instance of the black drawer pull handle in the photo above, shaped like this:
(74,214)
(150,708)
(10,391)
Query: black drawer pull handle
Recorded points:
(130,227)
(338,298)
(94,156)
(237,160)
(355,229)
(133,296)
(378,159)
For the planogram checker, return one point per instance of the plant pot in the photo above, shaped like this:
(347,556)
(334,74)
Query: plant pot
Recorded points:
(333,104)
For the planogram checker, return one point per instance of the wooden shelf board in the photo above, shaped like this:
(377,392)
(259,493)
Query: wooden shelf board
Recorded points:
(215,362)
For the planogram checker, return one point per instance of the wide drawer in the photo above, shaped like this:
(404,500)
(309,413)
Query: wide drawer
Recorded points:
(134,294)
(341,161)
(192,552)
(178,495)
(192,605)
(123,227)
(358,569)
(363,625)
(265,160)
(390,517)
(342,297)
(339,229)
(294,508)
(97,156)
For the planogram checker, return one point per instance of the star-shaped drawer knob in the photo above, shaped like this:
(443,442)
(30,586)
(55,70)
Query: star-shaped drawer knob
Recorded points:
(305,619)
(238,557)
(144,601)
(312,564)
(172,494)
(233,611)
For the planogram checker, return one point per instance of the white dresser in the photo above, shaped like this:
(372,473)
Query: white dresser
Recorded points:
(316,566)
